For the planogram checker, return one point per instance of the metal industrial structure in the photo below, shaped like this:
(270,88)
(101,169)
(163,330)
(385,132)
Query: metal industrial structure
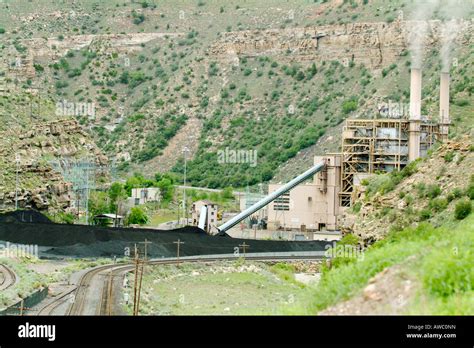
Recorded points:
(81,173)
(369,146)
(271,197)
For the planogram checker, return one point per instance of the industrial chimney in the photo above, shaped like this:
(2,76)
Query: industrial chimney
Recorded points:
(444,118)
(415,114)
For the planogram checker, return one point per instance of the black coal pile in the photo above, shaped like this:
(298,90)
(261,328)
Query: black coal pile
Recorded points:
(97,241)
(24,216)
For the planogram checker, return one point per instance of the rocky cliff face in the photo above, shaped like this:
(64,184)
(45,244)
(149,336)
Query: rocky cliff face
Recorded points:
(374,44)
(40,186)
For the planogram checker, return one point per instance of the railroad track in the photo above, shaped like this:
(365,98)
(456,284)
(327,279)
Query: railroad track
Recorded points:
(108,272)
(7,277)
(58,301)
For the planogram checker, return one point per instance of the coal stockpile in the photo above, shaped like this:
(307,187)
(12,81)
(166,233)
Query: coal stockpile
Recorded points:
(24,216)
(95,241)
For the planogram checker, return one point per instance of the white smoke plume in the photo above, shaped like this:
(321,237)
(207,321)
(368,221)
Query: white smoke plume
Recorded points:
(453,11)
(423,11)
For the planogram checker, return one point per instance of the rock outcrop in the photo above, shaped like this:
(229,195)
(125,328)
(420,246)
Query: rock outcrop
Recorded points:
(39,185)
(375,44)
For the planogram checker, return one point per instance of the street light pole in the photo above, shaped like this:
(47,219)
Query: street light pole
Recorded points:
(17,160)
(87,193)
(185,212)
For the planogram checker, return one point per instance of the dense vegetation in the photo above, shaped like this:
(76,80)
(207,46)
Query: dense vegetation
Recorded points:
(274,105)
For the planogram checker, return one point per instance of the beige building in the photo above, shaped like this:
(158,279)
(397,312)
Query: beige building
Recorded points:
(210,220)
(312,206)
(145,194)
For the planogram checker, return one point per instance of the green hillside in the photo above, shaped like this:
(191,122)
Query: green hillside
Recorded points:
(145,89)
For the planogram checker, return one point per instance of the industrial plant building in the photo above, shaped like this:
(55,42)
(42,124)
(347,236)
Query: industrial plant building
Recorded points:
(369,146)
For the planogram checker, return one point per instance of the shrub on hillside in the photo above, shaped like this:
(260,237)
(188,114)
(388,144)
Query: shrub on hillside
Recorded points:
(449,156)
(433,191)
(470,190)
(380,183)
(349,105)
(356,207)
(454,194)
(438,204)
(425,214)
(463,208)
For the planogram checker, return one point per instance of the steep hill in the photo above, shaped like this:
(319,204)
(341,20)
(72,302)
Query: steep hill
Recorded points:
(426,190)
(272,77)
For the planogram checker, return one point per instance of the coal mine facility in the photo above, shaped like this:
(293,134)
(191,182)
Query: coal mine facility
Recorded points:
(82,241)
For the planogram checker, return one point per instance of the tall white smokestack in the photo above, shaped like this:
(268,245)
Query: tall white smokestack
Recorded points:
(444,118)
(415,114)
(415,94)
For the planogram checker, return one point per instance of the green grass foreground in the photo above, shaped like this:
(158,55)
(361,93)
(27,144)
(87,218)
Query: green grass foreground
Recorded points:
(441,259)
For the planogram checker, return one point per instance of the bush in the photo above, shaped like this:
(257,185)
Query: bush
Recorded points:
(433,191)
(380,183)
(470,191)
(349,239)
(64,218)
(457,193)
(349,105)
(138,18)
(425,214)
(137,216)
(462,102)
(449,156)
(227,193)
(356,207)
(438,204)
(463,208)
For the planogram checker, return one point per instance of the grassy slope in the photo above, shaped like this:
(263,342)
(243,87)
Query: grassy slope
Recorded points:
(443,264)
(227,288)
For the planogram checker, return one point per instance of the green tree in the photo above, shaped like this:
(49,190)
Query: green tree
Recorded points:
(98,203)
(117,194)
(166,189)
(137,216)
(227,193)
(349,105)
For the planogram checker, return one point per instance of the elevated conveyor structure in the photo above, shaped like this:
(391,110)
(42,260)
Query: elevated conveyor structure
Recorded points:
(271,197)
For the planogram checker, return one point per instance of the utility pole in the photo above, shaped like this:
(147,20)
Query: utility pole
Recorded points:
(146,242)
(17,160)
(185,213)
(135,283)
(178,243)
(138,283)
(87,192)
(110,285)
(244,246)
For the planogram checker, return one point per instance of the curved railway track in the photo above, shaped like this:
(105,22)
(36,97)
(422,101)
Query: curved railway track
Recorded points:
(103,307)
(7,277)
